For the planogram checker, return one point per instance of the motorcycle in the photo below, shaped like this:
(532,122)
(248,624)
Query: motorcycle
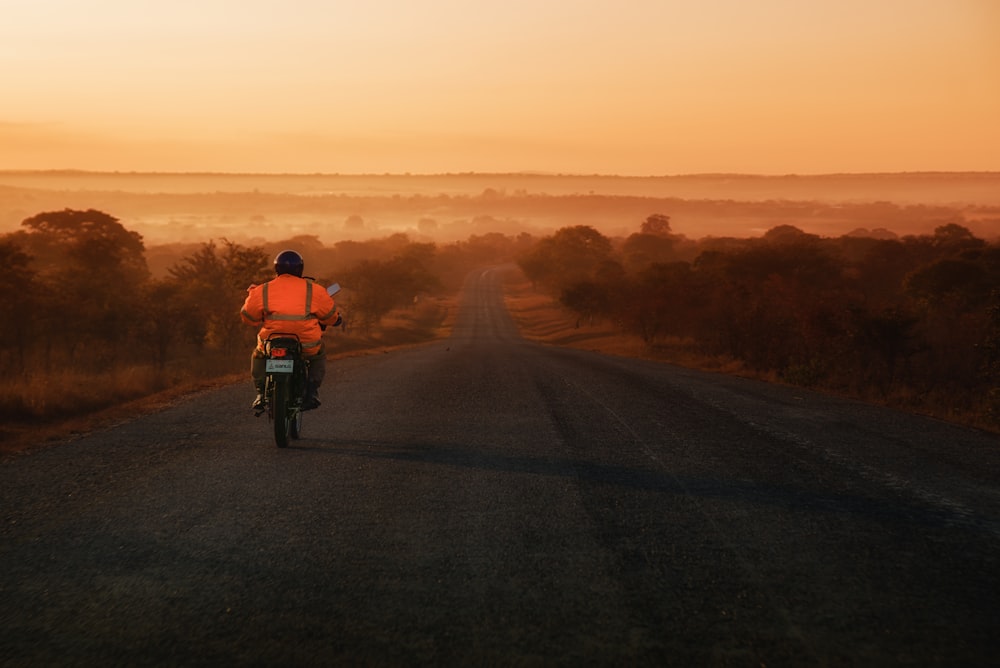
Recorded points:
(284,386)
(285,383)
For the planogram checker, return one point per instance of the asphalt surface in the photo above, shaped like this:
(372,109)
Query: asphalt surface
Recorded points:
(490,501)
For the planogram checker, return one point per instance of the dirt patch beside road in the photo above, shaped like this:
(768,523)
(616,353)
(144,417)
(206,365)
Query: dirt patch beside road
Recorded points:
(540,317)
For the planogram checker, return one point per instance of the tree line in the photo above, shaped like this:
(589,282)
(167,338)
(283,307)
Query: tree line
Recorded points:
(81,304)
(914,321)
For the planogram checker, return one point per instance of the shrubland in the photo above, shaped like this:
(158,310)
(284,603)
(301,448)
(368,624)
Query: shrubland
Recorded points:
(95,319)
(912,322)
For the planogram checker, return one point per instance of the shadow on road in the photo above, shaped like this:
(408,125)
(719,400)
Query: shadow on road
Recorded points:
(595,474)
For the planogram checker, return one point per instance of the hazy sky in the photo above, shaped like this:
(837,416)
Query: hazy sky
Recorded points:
(430,86)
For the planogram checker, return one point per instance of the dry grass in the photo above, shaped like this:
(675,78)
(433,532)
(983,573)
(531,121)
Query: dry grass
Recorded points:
(44,409)
(541,318)
(429,320)
(82,413)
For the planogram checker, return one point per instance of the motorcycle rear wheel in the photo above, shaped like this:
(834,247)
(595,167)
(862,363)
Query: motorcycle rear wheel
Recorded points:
(279,406)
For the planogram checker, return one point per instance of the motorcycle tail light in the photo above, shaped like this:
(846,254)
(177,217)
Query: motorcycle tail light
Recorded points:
(278,352)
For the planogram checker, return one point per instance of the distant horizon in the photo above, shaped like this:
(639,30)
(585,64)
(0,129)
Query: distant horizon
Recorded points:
(527,173)
(233,205)
(255,209)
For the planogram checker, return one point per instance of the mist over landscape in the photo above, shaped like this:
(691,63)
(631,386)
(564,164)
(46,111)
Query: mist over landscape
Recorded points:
(253,208)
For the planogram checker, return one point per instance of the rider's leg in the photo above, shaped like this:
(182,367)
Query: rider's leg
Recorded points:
(317,372)
(257,374)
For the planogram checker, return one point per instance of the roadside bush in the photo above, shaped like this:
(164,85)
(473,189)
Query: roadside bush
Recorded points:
(912,321)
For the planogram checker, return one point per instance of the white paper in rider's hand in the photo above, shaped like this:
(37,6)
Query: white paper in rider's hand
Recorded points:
(333,289)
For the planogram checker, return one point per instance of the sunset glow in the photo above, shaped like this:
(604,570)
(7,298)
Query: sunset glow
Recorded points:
(638,87)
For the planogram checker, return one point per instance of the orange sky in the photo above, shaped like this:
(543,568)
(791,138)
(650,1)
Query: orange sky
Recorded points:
(630,87)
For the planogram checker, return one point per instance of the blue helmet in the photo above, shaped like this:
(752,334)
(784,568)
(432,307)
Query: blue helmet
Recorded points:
(289,262)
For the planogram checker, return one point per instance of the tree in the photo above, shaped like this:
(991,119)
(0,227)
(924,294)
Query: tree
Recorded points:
(642,250)
(213,286)
(18,285)
(657,225)
(89,239)
(659,301)
(882,269)
(571,255)
(887,336)
(778,303)
(953,296)
(378,286)
(953,236)
(93,270)
(788,234)
(956,279)
(585,298)
(164,317)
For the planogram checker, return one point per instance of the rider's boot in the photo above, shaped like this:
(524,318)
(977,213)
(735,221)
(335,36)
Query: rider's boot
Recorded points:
(258,402)
(311,400)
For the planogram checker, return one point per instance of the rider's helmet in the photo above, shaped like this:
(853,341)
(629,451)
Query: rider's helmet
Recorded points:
(288,262)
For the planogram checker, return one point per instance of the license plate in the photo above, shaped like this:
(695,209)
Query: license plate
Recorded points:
(279,366)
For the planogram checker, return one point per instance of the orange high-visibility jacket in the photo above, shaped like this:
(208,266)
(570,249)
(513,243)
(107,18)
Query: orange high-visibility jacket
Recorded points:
(290,305)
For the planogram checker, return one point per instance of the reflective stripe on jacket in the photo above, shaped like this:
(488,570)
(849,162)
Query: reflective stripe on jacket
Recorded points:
(291,305)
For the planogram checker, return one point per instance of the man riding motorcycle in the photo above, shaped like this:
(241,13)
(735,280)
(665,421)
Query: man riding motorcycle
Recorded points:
(290,304)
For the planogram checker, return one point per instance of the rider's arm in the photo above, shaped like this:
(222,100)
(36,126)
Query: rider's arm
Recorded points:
(325,309)
(252,312)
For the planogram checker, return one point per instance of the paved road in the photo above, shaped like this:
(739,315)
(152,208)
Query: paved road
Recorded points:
(490,501)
